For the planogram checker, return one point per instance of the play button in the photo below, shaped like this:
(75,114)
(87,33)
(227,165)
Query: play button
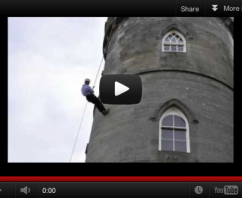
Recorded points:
(120,89)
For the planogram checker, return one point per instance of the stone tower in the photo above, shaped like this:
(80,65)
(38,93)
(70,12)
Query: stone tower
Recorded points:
(186,111)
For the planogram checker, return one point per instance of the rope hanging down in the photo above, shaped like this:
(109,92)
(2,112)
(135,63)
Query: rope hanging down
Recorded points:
(98,73)
(78,132)
(84,114)
(87,101)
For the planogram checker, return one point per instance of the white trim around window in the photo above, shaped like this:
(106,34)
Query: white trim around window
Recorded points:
(173,41)
(174,112)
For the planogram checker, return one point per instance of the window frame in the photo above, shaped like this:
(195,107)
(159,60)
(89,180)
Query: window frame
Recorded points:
(174,44)
(174,111)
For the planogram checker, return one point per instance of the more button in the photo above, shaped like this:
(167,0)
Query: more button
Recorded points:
(228,8)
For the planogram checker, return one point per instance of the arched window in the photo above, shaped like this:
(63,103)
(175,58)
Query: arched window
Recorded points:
(173,41)
(174,131)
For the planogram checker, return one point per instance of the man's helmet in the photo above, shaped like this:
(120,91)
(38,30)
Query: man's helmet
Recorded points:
(87,80)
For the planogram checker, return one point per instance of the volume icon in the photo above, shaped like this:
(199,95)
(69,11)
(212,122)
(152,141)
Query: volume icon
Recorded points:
(25,190)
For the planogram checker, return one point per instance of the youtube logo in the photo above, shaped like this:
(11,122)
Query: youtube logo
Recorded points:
(120,89)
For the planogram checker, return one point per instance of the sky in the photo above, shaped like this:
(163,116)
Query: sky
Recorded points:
(48,60)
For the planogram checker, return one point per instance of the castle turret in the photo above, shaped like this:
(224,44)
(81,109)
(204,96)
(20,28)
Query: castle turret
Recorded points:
(186,111)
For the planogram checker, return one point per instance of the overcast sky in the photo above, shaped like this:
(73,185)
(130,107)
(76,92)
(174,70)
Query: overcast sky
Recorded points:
(48,60)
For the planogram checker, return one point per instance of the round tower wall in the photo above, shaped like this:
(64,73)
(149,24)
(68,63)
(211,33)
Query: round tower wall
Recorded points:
(201,79)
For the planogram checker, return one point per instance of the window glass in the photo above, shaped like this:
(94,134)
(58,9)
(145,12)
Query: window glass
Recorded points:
(173,48)
(167,47)
(180,40)
(167,40)
(173,40)
(180,146)
(168,121)
(179,122)
(180,134)
(180,48)
(167,145)
(167,134)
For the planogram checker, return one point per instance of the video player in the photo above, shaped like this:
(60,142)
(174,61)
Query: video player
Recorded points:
(140,105)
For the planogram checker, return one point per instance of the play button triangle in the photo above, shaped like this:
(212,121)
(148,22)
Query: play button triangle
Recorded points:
(120,88)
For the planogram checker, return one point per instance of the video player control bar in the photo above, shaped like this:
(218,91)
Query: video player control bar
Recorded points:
(169,8)
(120,189)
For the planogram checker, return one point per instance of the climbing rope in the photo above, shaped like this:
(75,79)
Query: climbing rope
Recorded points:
(78,132)
(84,114)
(98,72)
(87,101)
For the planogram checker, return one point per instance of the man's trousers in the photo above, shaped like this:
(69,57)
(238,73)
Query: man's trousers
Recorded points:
(93,99)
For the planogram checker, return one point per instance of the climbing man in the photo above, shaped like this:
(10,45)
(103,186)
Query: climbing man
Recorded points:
(88,92)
